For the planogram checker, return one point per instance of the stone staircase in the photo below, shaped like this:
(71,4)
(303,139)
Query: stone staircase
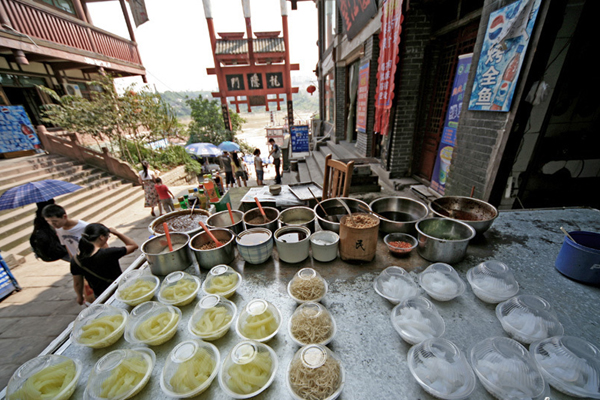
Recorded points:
(102,195)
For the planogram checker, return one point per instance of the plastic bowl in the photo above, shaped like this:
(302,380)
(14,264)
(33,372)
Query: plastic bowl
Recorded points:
(416,320)
(99,326)
(441,282)
(127,293)
(441,369)
(137,363)
(306,373)
(146,327)
(395,285)
(178,289)
(242,362)
(311,323)
(189,369)
(211,328)
(492,282)
(34,370)
(506,370)
(409,240)
(265,318)
(222,280)
(307,285)
(528,318)
(569,364)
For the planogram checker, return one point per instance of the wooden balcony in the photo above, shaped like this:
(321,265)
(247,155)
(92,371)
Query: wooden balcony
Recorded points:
(54,33)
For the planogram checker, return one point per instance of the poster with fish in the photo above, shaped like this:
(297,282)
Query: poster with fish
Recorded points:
(16,131)
(506,40)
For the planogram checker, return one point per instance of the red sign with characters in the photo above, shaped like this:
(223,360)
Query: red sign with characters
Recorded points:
(362,101)
(389,41)
(356,14)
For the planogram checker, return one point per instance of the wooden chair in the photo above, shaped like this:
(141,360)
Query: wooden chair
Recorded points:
(337,177)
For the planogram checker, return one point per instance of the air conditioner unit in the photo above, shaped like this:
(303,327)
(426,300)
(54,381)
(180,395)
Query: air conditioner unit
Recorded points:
(72,89)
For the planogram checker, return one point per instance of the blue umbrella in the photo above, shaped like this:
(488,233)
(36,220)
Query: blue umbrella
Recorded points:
(35,192)
(203,150)
(229,146)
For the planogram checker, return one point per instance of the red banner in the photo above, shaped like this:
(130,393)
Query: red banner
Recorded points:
(389,41)
(362,100)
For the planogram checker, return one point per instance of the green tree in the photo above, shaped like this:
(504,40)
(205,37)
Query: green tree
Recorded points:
(207,122)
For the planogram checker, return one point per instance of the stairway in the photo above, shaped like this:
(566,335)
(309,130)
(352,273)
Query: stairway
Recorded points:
(102,195)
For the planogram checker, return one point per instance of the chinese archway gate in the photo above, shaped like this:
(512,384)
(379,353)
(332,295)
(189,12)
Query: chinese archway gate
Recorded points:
(254,70)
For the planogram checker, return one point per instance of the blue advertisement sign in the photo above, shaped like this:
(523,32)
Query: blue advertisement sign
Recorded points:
(448,140)
(502,55)
(16,130)
(299,136)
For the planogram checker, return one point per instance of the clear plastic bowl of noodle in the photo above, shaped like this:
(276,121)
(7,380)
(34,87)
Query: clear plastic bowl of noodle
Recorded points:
(259,320)
(99,326)
(417,319)
(492,282)
(312,323)
(178,289)
(218,281)
(395,285)
(307,285)
(315,372)
(441,282)
(212,317)
(137,286)
(152,323)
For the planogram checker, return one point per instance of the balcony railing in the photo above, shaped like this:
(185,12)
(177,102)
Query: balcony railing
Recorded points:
(38,21)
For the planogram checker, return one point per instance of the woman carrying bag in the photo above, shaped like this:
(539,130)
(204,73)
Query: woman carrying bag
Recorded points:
(147,179)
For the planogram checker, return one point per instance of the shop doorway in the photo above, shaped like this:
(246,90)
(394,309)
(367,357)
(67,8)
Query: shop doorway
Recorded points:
(29,99)
(351,102)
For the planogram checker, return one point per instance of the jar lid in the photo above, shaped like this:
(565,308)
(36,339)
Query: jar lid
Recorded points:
(244,353)
(209,301)
(313,356)
(257,307)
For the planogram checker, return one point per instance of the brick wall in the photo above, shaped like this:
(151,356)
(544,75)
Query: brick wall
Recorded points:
(340,103)
(364,141)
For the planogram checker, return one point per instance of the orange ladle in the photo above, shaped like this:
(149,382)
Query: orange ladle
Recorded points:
(168,236)
(265,219)
(209,233)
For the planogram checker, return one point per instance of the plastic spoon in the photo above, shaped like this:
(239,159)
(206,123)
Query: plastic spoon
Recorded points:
(193,206)
(261,210)
(230,213)
(168,236)
(209,233)
(567,234)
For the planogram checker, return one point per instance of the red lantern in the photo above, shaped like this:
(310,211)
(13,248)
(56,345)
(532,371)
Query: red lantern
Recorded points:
(311,89)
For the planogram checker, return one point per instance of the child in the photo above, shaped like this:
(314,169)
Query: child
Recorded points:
(258,166)
(165,196)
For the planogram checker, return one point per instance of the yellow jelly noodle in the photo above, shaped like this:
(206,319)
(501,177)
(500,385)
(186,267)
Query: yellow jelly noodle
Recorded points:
(100,328)
(248,378)
(179,291)
(139,288)
(259,326)
(47,383)
(213,319)
(192,373)
(156,326)
(124,377)
(222,283)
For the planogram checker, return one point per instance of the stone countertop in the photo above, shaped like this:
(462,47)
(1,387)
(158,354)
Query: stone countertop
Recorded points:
(373,354)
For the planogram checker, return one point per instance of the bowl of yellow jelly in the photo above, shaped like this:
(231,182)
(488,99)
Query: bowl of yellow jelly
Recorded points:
(137,287)
(248,369)
(152,323)
(259,320)
(99,325)
(189,369)
(178,289)
(212,317)
(50,376)
(120,375)
(222,280)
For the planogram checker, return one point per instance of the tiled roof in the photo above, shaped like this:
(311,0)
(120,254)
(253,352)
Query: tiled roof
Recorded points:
(272,45)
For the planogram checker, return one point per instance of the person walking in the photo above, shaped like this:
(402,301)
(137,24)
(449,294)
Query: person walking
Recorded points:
(226,165)
(44,241)
(276,154)
(240,172)
(258,167)
(147,179)
(68,230)
(96,262)
(165,196)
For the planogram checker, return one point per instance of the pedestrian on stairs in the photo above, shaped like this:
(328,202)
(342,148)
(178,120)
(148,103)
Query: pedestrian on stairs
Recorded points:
(68,230)
(147,179)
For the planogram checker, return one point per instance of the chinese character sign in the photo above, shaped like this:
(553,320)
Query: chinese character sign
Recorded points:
(362,98)
(16,131)
(502,55)
(389,41)
(356,14)
(299,137)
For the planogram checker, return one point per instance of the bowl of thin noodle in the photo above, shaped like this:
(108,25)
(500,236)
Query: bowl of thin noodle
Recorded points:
(311,323)
(120,375)
(137,287)
(259,320)
(222,280)
(248,369)
(49,376)
(212,317)
(178,289)
(99,325)
(307,285)
(189,369)
(152,324)
(315,373)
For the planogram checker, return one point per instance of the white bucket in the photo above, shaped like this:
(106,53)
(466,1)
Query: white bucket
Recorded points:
(324,245)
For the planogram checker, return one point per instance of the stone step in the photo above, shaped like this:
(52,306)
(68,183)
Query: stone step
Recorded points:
(315,171)
(303,173)
(56,172)
(38,164)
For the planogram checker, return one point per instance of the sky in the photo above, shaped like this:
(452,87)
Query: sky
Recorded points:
(175,46)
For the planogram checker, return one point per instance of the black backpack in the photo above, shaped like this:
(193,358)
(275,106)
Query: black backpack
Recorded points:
(45,243)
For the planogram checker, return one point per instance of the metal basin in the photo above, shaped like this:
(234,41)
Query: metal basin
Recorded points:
(476,213)
(223,220)
(443,240)
(298,216)
(194,227)
(211,257)
(161,260)
(400,214)
(335,211)
(271,213)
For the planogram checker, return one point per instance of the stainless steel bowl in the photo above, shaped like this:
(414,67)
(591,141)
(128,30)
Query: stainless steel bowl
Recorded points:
(211,257)
(271,213)
(161,260)
(191,232)
(223,220)
(298,216)
(400,214)
(474,212)
(443,240)
(335,211)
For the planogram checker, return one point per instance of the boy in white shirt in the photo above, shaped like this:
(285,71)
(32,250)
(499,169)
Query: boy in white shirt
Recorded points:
(68,230)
